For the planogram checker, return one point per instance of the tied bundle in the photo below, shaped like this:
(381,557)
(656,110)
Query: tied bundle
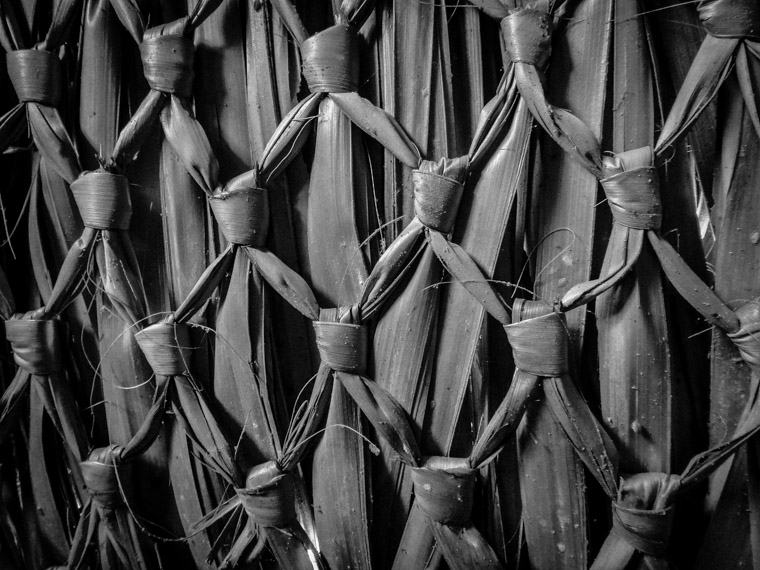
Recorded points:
(38,351)
(342,344)
(107,525)
(538,338)
(725,68)
(339,171)
(102,198)
(410,263)
(527,32)
(342,339)
(539,341)
(630,183)
(35,73)
(266,507)
(561,203)
(167,54)
(731,48)
(42,379)
(241,208)
(167,348)
(337,275)
(644,503)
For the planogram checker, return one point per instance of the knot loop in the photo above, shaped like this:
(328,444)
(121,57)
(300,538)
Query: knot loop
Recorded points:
(105,476)
(444,489)
(436,200)
(527,34)
(641,515)
(342,346)
(647,531)
(539,343)
(632,188)
(36,76)
(731,18)
(331,60)
(166,348)
(747,338)
(168,63)
(242,215)
(103,200)
(269,496)
(36,344)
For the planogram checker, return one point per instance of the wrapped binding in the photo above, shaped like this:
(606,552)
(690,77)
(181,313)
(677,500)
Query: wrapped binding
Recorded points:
(103,200)
(168,63)
(36,345)
(166,347)
(242,215)
(527,35)
(36,76)
(436,200)
(343,347)
(331,60)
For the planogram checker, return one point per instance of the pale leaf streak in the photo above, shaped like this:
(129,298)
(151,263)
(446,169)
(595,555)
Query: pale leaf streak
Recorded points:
(640,14)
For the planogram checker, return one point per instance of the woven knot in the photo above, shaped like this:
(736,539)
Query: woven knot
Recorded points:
(641,515)
(242,215)
(331,60)
(168,63)
(36,344)
(103,200)
(747,338)
(731,18)
(632,188)
(436,200)
(527,34)
(443,488)
(342,346)
(36,76)
(646,530)
(105,476)
(539,343)
(166,348)
(269,496)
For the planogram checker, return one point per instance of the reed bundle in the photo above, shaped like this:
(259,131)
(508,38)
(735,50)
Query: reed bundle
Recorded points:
(379,284)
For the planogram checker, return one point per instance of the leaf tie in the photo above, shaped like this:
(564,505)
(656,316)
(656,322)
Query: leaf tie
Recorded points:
(269,496)
(168,62)
(242,215)
(166,348)
(36,344)
(747,338)
(527,34)
(539,345)
(36,76)
(342,346)
(632,190)
(443,488)
(105,475)
(331,60)
(647,531)
(103,200)
(436,200)
(731,18)
(642,518)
